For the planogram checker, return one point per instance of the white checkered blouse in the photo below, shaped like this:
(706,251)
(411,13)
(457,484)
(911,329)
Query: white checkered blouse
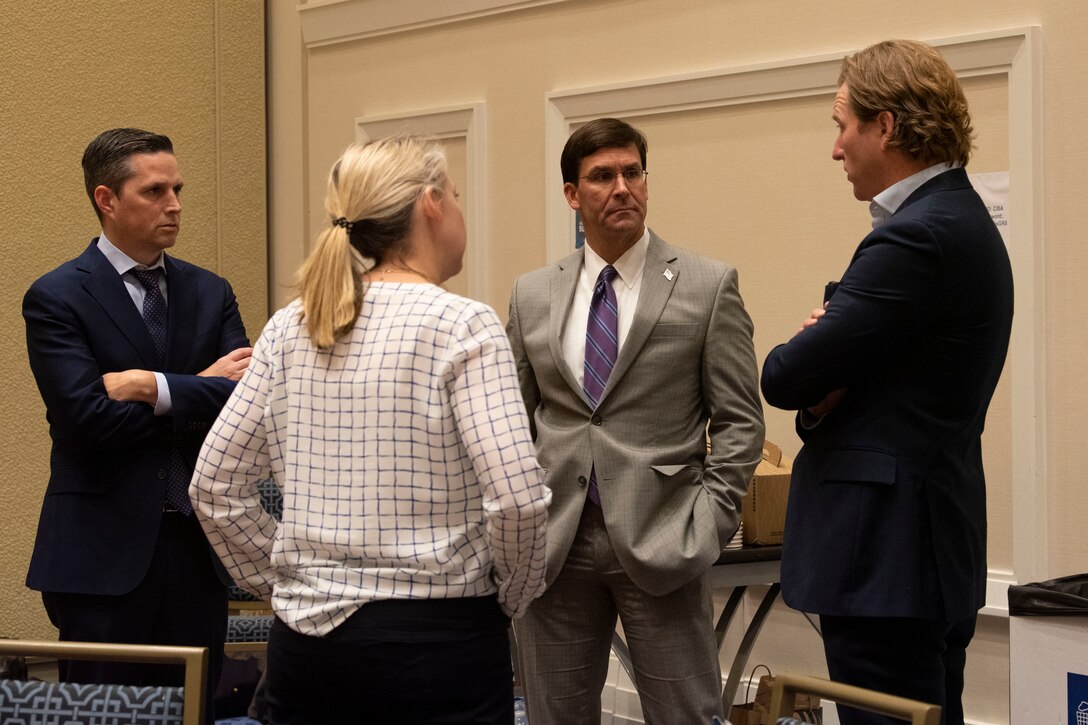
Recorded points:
(404,456)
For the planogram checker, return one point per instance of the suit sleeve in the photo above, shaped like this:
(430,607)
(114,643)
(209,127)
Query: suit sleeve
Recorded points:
(731,394)
(197,399)
(70,380)
(884,300)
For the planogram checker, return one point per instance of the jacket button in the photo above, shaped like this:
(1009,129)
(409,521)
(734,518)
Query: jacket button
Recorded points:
(582,481)
(596,419)
(162,474)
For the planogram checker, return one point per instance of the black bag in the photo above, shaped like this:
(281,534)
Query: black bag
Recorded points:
(1067,596)
(237,683)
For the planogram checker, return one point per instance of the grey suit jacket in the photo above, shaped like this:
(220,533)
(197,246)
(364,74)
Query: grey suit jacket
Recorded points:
(688,360)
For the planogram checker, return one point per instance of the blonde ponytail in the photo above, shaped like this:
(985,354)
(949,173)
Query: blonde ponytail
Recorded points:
(370,196)
(330,288)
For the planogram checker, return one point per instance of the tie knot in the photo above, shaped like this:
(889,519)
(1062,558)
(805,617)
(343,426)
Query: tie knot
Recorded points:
(607,274)
(149,278)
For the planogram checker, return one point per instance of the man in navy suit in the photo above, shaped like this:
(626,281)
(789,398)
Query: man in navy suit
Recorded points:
(134,353)
(886,524)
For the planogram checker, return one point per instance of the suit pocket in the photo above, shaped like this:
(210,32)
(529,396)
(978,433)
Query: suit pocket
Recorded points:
(669,469)
(859,465)
(675,329)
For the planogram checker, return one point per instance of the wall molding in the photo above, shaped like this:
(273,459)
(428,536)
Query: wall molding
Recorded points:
(327,22)
(1014,53)
(464,121)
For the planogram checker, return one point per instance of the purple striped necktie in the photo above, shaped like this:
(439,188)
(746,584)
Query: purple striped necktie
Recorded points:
(602,347)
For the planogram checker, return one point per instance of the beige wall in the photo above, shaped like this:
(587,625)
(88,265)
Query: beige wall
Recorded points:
(192,69)
(752,184)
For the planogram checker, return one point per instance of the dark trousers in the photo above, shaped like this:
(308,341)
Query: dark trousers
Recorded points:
(432,661)
(915,658)
(180,601)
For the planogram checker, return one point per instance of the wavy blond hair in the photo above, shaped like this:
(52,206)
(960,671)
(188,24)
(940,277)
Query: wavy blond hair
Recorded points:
(372,190)
(916,85)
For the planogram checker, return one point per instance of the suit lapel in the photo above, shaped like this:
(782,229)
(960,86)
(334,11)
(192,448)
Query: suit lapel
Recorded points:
(107,288)
(654,294)
(562,295)
(181,308)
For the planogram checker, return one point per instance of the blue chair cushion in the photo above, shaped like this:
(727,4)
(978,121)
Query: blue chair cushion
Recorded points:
(31,703)
(249,628)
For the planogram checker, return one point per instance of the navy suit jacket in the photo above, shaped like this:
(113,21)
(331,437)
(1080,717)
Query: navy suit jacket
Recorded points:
(887,507)
(102,508)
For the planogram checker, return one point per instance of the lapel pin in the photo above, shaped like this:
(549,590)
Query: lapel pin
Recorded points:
(667,274)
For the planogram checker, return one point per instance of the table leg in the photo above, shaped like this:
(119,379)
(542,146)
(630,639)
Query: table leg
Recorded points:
(746,645)
(623,655)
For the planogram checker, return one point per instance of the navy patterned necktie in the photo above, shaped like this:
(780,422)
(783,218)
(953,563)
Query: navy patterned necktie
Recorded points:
(154,311)
(602,347)
(154,314)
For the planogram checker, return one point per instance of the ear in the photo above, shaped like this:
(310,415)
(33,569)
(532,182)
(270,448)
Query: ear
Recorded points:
(570,191)
(430,203)
(104,199)
(886,122)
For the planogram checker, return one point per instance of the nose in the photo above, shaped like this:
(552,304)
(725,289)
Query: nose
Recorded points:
(173,204)
(620,187)
(836,151)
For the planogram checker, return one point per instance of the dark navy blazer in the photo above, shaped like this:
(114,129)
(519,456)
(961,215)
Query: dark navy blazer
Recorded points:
(102,508)
(887,507)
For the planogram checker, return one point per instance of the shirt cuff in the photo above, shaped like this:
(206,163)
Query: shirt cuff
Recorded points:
(163,404)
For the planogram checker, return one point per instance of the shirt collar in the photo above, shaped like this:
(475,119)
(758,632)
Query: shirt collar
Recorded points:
(630,264)
(888,201)
(121,261)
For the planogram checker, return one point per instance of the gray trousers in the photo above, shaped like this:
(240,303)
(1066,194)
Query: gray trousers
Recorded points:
(565,637)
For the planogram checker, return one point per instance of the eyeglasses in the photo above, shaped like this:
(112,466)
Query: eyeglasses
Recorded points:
(605,178)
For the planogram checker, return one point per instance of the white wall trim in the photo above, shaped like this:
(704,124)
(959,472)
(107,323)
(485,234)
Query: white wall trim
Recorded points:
(1015,53)
(327,22)
(468,121)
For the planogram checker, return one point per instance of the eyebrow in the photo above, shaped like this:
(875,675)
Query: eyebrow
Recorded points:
(602,167)
(161,184)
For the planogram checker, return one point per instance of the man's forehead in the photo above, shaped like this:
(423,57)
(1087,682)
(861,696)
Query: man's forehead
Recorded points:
(157,165)
(611,154)
(842,101)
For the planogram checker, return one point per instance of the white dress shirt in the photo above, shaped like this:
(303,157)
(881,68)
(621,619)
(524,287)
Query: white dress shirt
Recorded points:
(124,264)
(627,284)
(888,201)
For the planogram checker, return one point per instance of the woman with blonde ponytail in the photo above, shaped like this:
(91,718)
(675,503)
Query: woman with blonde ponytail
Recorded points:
(388,410)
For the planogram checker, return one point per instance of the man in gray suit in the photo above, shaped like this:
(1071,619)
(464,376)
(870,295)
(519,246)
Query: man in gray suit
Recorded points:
(630,352)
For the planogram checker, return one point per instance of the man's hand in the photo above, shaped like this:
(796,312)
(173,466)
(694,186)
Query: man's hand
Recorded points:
(828,404)
(231,365)
(132,386)
(812,319)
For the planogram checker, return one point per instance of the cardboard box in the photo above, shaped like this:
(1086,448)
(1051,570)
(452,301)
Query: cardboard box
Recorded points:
(764,508)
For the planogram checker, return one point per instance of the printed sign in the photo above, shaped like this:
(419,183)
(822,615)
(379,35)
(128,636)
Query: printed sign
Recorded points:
(993,187)
(1078,698)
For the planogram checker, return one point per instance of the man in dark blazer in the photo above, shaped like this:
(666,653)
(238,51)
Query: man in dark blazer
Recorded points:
(886,523)
(640,511)
(132,378)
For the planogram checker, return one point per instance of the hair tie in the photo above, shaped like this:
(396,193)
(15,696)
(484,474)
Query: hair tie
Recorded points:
(343,222)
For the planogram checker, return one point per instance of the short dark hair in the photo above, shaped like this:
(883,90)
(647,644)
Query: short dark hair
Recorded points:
(601,133)
(106,161)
